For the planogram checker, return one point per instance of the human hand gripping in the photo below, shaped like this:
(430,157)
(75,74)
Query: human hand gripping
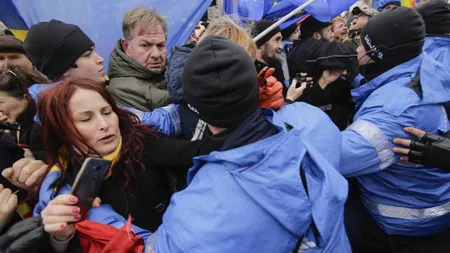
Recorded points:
(430,150)
(8,204)
(25,172)
(61,214)
(329,76)
(270,90)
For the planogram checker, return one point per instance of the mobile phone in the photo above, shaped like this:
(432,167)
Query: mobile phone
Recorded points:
(302,79)
(88,182)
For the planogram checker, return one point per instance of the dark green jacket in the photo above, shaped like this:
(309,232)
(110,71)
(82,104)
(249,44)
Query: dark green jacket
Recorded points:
(132,85)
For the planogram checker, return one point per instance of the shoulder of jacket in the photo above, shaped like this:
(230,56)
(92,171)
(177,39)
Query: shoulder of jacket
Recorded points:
(128,83)
(394,99)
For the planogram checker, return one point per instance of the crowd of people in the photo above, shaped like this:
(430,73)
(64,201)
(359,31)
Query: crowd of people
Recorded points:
(319,137)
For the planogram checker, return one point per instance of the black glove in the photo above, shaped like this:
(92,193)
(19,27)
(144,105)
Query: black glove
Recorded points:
(24,236)
(432,151)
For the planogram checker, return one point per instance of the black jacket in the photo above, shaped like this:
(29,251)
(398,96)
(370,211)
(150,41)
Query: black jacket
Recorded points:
(30,135)
(313,57)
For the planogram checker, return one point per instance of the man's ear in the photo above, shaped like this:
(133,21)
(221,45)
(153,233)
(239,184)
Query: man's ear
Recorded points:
(65,75)
(125,46)
(317,36)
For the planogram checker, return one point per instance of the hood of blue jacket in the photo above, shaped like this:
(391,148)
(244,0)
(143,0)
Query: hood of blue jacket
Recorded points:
(438,48)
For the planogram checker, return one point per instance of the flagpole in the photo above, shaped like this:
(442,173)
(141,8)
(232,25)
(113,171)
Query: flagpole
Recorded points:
(279,22)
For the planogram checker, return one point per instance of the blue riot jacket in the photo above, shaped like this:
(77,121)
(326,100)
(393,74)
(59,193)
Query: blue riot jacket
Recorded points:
(166,120)
(252,198)
(404,198)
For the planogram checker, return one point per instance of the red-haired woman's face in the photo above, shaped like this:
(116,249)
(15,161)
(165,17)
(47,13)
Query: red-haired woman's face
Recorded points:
(94,118)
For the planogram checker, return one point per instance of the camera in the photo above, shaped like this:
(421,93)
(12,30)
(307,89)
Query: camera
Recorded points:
(304,79)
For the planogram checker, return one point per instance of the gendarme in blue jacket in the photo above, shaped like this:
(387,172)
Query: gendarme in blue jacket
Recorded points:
(404,198)
(437,47)
(252,199)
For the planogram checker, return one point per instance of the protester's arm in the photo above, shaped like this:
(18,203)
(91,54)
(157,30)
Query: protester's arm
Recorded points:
(337,55)
(166,120)
(177,154)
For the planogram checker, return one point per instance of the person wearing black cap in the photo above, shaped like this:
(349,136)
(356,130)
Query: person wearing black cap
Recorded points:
(401,203)
(63,51)
(314,54)
(361,15)
(251,190)
(269,49)
(13,53)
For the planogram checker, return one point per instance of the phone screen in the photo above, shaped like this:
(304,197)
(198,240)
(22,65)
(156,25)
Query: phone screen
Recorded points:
(88,182)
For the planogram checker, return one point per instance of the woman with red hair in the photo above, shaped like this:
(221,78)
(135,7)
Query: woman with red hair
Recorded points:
(79,120)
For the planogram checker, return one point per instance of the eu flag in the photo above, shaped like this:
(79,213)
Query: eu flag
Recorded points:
(323,10)
(228,6)
(253,9)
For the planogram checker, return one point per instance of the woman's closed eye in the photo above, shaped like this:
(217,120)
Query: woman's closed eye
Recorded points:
(85,119)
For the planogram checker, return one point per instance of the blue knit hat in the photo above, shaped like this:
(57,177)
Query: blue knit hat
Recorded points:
(379,5)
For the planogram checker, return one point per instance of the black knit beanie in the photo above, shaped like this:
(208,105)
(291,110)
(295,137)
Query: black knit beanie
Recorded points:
(288,31)
(261,26)
(220,82)
(311,25)
(436,14)
(54,46)
(406,31)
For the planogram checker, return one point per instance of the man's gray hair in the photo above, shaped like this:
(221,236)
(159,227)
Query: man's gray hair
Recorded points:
(142,18)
